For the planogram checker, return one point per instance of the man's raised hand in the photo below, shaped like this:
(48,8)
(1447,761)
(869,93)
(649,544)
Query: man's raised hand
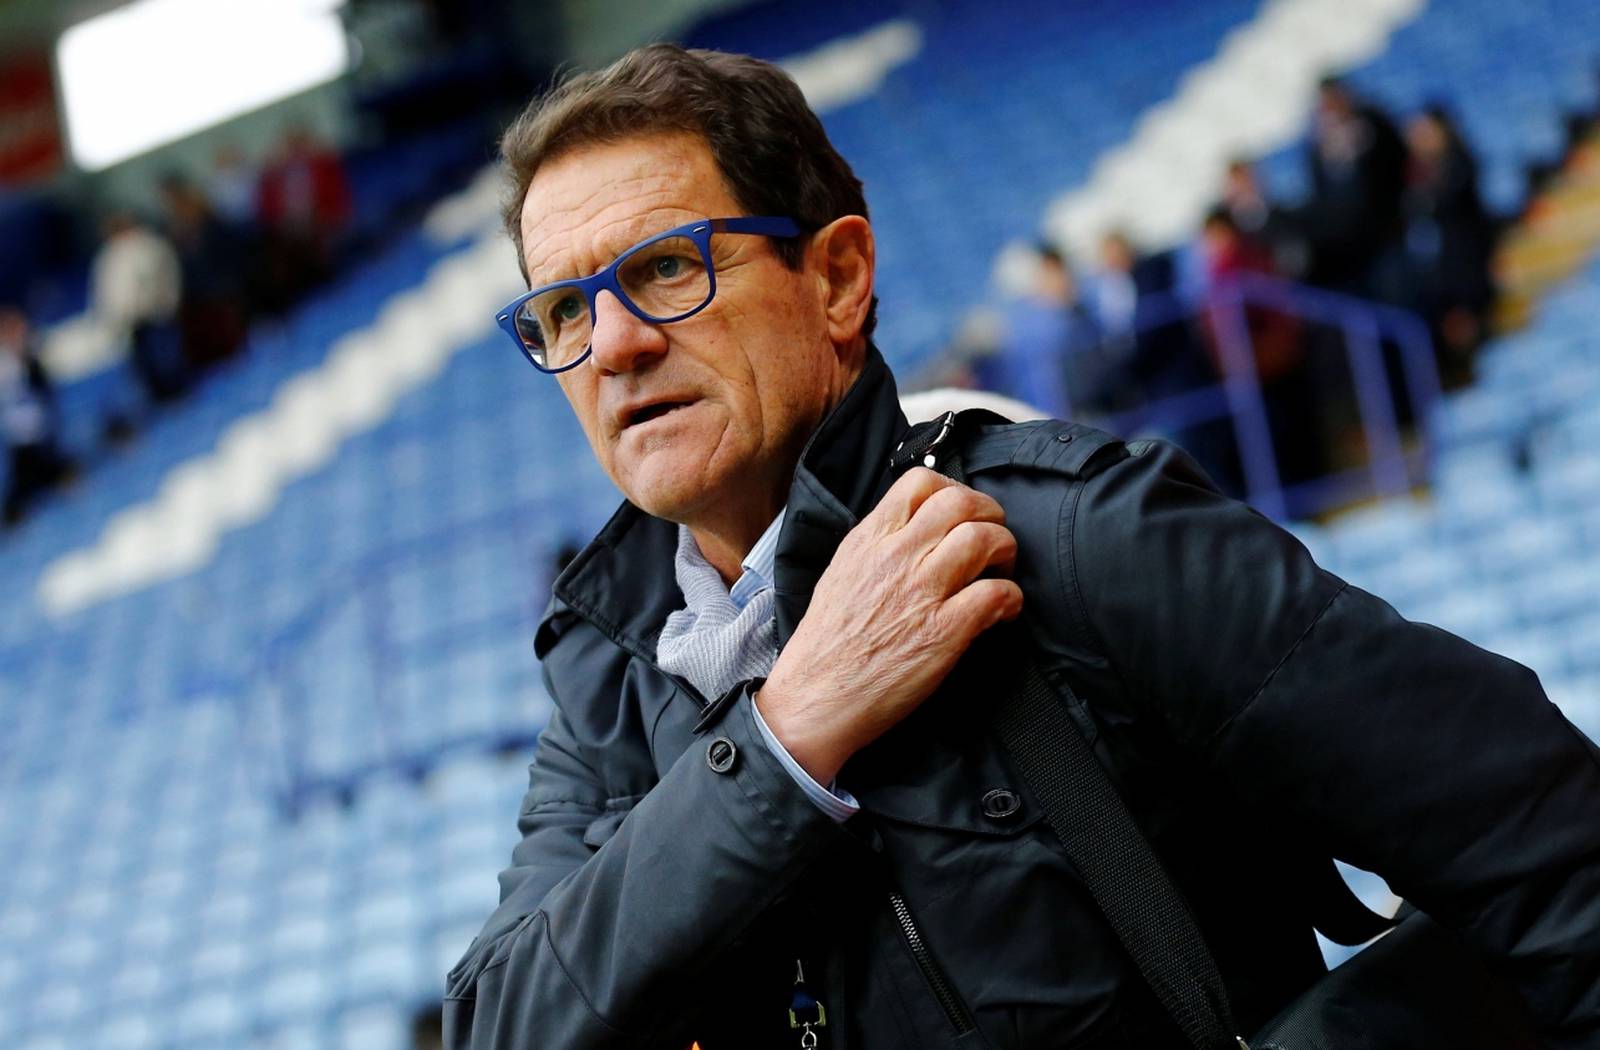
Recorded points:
(909,589)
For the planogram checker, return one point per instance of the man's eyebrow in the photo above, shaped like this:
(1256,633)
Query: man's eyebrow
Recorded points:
(538,279)
(609,251)
(542,271)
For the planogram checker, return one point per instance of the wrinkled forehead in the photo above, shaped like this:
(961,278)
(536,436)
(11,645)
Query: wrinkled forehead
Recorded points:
(588,204)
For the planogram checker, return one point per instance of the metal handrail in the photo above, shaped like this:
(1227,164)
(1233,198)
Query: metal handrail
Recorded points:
(1237,396)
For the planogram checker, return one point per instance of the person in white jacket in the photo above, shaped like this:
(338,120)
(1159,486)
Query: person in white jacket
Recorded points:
(135,288)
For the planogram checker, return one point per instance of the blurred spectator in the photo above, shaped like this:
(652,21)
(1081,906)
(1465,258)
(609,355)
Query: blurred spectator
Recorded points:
(303,209)
(1115,291)
(1262,222)
(1050,349)
(1145,332)
(232,188)
(212,257)
(1230,254)
(1448,240)
(135,286)
(1358,176)
(28,419)
(1287,388)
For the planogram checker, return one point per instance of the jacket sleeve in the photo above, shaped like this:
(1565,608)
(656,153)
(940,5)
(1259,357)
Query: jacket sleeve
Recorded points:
(613,908)
(1403,748)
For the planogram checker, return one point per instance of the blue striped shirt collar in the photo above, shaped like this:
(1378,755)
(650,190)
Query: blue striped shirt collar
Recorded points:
(757,565)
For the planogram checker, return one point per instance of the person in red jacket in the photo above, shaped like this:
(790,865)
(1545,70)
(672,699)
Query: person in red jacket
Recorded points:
(303,208)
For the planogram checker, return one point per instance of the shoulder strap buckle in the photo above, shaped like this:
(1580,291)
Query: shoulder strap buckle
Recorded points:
(922,443)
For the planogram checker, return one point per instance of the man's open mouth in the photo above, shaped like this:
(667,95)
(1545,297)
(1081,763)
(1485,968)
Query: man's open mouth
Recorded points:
(655,411)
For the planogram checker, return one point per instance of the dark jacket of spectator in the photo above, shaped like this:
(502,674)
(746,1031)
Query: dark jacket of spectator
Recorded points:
(213,257)
(29,422)
(1448,234)
(1358,177)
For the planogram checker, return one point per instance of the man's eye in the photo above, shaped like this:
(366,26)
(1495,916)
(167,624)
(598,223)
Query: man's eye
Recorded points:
(569,309)
(668,266)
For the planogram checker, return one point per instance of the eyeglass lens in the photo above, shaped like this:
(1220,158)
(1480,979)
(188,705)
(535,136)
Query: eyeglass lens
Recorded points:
(663,280)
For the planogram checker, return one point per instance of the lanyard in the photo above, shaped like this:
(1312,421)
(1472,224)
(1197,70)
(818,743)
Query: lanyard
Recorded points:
(805,1012)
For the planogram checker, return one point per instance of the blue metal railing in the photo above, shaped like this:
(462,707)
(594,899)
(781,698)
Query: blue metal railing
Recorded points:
(1237,397)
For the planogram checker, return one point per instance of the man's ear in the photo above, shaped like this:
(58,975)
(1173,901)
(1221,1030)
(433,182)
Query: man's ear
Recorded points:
(844,254)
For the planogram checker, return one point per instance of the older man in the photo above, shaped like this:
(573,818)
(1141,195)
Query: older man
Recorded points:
(768,810)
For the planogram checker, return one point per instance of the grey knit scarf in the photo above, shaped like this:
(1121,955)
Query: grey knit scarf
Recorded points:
(714,643)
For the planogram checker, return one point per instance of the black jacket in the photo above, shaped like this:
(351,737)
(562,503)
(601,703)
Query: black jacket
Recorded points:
(1255,710)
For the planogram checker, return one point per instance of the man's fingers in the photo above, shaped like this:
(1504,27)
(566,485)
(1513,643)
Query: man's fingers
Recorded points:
(979,606)
(967,551)
(906,496)
(949,507)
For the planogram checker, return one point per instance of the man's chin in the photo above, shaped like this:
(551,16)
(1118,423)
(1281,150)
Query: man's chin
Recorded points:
(665,488)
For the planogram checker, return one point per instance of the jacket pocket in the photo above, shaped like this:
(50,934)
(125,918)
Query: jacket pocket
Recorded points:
(918,779)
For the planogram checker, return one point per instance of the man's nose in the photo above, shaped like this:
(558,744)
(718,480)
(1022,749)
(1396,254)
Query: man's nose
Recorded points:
(620,341)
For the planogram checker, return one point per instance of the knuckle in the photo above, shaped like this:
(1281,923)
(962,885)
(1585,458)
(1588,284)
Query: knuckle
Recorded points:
(967,533)
(947,492)
(968,501)
(996,537)
(959,501)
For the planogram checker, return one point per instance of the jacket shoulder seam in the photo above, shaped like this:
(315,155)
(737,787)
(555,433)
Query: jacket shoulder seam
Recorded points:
(1288,653)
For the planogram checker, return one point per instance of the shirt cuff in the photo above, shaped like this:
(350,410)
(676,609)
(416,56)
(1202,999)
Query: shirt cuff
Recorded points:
(833,800)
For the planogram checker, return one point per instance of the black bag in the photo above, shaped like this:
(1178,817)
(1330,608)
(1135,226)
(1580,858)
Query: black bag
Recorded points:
(1418,987)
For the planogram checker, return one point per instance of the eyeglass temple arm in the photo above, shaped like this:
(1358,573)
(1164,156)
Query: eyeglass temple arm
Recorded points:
(764,225)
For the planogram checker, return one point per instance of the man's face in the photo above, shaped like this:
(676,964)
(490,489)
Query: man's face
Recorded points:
(1426,137)
(1116,255)
(1333,104)
(704,417)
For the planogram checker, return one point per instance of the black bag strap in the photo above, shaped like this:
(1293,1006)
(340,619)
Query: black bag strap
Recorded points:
(1115,860)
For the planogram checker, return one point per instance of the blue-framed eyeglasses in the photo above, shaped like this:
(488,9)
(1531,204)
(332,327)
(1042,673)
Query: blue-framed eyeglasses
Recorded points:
(661,279)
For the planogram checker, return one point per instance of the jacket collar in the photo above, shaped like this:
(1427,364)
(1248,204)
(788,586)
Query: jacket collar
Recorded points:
(843,472)
(623,581)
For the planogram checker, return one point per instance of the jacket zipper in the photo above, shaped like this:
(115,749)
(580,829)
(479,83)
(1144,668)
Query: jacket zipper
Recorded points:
(954,1009)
